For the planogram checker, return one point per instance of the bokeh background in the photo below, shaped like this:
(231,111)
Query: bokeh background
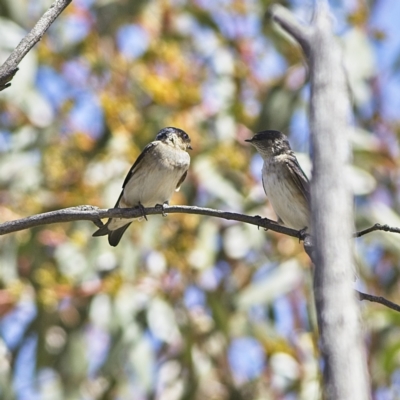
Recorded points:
(186,307)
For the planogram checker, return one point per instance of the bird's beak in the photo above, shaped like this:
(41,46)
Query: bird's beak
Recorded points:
(248,140)
(190,147)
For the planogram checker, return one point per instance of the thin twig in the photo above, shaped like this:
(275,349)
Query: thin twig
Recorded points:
(378,299)
(377,227)
(10,66)
(94,214)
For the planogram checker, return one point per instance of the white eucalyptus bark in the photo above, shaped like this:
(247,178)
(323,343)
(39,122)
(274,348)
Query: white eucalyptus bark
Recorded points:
(342,342)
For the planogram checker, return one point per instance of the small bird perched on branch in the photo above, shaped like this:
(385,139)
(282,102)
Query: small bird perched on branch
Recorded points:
(284,182)
(158,171)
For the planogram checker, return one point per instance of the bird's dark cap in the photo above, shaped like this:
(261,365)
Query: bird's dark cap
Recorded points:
(165,132)
(266,135)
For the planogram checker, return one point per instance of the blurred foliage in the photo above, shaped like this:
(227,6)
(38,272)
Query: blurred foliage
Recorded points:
(186,307)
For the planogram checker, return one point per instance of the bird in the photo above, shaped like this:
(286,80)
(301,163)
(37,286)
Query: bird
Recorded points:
(159,170)
(285,183)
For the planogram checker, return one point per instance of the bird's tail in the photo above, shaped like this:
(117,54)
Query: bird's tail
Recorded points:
(114,236)
(103,231)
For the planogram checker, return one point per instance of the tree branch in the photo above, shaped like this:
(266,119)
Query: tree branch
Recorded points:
(377,227)
(378,299)
(285,19)
(94,214)
(309,248)
(10,66)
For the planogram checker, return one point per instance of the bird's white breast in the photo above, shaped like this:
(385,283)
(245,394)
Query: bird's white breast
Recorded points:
(285,198)
(155,180)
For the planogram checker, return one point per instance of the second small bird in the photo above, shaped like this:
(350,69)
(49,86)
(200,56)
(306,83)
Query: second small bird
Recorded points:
(284,182)
(158,171)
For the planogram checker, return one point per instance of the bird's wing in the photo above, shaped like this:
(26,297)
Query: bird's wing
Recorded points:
(115,236)
(263,183)
(135,165)
(150,146)
(298,177)
(117,203)
(178,185)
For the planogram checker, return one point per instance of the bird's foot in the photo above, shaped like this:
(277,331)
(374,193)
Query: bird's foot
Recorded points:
(303,234)
(143,211)
(162,206)
(258,226)
(259,217)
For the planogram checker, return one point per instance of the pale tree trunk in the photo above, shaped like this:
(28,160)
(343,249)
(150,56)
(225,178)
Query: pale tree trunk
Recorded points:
(341,339)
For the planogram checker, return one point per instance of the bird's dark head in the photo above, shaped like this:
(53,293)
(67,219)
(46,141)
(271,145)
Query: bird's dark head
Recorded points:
(174,137)
(269,143)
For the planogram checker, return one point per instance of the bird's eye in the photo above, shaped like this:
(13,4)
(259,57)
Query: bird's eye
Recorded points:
(185,136)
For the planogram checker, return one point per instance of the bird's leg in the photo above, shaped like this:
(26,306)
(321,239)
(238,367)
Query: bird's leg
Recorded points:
(259,217)
(162,206)
(143,211)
